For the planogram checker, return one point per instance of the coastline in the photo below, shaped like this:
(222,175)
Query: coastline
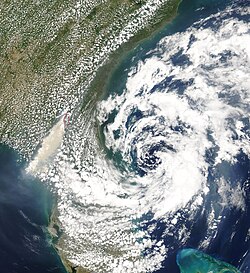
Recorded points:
(98,86)
(69,266)
(55,233)
(96,92)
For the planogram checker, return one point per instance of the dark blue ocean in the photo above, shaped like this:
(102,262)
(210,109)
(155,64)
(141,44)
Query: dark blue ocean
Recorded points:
(232,242)
(25,207)
(25,204)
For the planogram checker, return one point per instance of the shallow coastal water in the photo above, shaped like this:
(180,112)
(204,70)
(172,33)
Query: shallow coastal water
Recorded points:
(25,207)
(104,203)
(127,105)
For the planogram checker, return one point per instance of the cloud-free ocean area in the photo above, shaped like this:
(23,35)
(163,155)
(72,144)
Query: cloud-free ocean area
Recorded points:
(25,207)
(154,176)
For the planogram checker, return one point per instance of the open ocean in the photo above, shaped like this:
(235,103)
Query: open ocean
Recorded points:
(26,204)
(230,242)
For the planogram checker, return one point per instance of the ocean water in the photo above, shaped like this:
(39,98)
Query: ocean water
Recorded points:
(173,168)
(128,102)
(25,207)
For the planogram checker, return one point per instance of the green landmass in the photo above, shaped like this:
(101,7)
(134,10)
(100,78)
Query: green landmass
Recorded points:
(48,56)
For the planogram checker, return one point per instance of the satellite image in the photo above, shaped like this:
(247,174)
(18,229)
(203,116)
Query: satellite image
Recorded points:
(125,136)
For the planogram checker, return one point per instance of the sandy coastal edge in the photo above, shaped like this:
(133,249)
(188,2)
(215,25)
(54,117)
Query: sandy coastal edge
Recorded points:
(164,16)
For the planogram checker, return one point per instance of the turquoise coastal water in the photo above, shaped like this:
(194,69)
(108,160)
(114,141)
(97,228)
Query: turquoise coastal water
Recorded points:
(142,156)
(190,261)
(25,207)
(25,245)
